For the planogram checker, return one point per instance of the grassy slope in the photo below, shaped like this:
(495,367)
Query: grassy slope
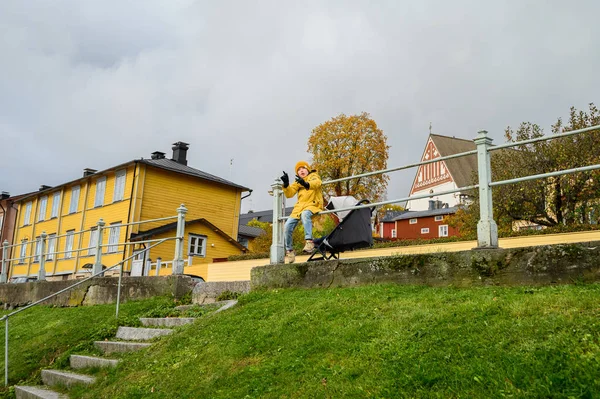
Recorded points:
(377,341)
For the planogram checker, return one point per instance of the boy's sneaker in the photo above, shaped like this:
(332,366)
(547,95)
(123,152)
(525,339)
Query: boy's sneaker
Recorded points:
(309,247)
(290,256)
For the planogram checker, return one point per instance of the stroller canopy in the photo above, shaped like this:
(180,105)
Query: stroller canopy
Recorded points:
(340,202)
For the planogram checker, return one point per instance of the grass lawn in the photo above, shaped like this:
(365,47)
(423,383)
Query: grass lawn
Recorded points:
(43,337)
(381,341)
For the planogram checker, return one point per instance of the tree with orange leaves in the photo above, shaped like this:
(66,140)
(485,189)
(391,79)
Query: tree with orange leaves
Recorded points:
(350,145)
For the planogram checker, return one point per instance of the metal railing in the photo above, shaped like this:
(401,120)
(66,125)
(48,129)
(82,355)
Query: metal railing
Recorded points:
(487,229)
(178,263)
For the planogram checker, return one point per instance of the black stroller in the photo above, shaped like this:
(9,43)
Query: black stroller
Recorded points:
(353,232)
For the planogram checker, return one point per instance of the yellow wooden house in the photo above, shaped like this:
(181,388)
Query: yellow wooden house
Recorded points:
(135,191)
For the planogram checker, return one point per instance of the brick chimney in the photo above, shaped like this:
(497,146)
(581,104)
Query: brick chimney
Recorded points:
(180,152)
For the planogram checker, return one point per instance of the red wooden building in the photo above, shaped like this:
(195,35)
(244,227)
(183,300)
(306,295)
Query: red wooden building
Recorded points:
(428,224)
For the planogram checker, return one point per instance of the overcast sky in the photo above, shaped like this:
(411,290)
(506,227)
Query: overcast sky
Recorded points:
(98,83)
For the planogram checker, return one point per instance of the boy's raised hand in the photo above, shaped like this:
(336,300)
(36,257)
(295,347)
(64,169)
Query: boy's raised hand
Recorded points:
(302,182)
(285,179)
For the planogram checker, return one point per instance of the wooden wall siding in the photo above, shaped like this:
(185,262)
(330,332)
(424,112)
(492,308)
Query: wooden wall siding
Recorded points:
(164,191)
(407,230)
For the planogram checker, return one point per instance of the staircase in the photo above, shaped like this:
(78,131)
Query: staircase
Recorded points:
(128,339)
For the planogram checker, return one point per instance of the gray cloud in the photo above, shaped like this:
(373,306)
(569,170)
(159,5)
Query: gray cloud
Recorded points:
(93,84)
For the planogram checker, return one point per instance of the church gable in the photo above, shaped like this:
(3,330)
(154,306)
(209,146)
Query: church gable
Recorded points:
(432,174)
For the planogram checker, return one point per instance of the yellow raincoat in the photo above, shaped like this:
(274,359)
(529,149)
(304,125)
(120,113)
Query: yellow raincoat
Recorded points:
(311,199)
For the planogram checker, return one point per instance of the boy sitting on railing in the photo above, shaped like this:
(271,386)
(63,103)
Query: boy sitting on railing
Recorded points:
(310,201)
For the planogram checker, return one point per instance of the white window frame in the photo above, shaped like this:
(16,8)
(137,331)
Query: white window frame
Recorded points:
(23,252)
(74,204)
(38,249)
(100,190)
(42,208)
(394,233)
(55,204)
(412,221)
(443,230)
(51,247)
(425,230)
(69,239)
(113,238)
(439,218)
(27,217)
(93,240)
(119,191)
(193,245)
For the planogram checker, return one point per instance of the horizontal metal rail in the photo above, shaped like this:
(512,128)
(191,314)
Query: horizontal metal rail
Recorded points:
(370,205)
(148,241)
(543,138)
(412,165)
(145,221)
(543,175)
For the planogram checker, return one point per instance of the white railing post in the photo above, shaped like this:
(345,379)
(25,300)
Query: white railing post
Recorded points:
(98,257)
(147,267)
(277,250)
(178,260)
(487,230)
(42,271)
(4,274)
(158,265)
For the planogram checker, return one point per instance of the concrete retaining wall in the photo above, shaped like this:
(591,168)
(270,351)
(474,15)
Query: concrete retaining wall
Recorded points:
(96,291)
(208,292)
(557,264)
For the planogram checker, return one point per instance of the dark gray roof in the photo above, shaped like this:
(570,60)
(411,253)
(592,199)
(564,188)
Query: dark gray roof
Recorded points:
(262,216)
(420,214)
(461,168)
(249,231)
(174,166)
(390,216)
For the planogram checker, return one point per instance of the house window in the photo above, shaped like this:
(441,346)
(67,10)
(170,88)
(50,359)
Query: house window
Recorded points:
(443,230)
(113,237)
(197,245)
(69,244)
(93,240)
(38,249)
(42,210)
(413,221)
(243,241)
(51,246)
(55,203)
(27,218)
(119,192)
(74,199)
(425,230)
(393,233)
(439,218)
(23,251)
(100,189)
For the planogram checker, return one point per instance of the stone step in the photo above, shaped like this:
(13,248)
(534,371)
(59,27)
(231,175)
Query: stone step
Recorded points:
(166,321)
(117,346)
(227,305)
(80,362)
(141,334)
(59,377)
(41,392)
